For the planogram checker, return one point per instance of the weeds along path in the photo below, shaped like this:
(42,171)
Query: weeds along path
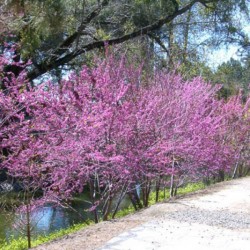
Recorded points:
(215,218)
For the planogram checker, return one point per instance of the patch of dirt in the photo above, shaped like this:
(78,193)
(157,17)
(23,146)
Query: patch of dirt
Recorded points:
(93,236)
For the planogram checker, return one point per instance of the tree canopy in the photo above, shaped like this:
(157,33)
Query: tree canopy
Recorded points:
(52,34)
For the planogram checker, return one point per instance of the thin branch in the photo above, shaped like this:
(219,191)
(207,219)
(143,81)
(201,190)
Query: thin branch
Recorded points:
(159,42)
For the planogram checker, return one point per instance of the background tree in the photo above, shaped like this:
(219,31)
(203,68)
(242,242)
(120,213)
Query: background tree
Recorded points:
(234,77)
(54,34)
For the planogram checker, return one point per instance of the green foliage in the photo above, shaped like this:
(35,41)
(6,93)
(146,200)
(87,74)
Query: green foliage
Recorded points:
(43,27)
(233,75)
(189,70)
(39,22)
(148,11)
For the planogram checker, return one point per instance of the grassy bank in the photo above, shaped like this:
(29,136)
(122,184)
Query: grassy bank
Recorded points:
(189,188)
(21,242)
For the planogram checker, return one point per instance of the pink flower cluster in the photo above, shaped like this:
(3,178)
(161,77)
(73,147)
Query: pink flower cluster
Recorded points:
(107,129)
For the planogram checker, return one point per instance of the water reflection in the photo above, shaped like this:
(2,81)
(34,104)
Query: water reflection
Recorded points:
(50,218)
(44,220)
(54,215)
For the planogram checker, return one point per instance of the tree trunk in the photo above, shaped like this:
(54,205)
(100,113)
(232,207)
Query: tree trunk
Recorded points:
(135,199)
(171,191)
(123,193)
(28,224)
(171,47)
(145,193)
(92,198)
(157,190)
(221,175)
(107,209)
(186,36)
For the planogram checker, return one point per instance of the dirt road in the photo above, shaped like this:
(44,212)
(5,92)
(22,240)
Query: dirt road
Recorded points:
(215,218)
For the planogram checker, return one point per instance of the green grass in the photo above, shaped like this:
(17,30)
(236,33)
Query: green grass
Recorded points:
(125,211)
(21,242)
(189,188)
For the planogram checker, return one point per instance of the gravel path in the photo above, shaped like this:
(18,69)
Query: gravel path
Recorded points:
(215,218)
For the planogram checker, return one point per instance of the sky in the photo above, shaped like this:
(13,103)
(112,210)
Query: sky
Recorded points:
(224,54)
(219,56)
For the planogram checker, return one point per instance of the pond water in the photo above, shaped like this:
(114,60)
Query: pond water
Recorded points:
(48,218)
(45,219)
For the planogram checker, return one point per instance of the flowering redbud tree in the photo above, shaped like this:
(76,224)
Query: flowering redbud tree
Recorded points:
(106,131)
(238,133)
